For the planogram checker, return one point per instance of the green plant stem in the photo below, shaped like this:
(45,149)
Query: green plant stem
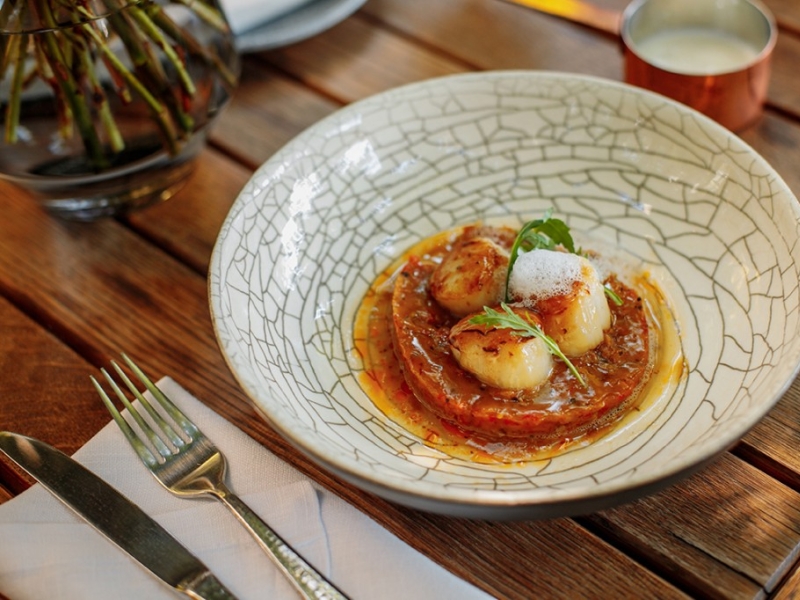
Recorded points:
(120,84)
(207,14)
(8,53)
(74,97)
(100,100)
(63,112)
(85,71)
(149,29)
(157,110)
(149,70)
(17,56)
(168,26)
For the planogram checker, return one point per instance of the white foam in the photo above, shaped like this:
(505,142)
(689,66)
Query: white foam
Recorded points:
(542,274)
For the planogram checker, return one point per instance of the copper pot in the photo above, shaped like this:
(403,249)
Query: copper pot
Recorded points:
(711,55)
(732,92)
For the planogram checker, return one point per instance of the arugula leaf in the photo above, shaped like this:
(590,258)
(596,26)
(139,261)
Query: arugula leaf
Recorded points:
(508,319)
(549,233)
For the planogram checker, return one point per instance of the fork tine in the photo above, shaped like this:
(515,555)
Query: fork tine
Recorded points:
(141,449)
(154,438)
(173,436)
(181,419)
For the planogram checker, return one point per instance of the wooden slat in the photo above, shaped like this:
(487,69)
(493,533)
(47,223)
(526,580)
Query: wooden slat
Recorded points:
(730,531)
(34,364)
(187,224)
(349,62)
(787,13)
(267,110)
(783,82)
(102,288)
(544,559)
(777,139)
(773,443)
(490,34)
(5,494)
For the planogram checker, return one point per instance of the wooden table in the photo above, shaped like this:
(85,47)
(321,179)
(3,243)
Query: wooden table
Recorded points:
(72,296)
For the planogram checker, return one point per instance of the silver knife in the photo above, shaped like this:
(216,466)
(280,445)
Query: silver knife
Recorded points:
(116,517)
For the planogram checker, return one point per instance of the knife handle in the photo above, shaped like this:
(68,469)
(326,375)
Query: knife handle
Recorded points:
(307,580)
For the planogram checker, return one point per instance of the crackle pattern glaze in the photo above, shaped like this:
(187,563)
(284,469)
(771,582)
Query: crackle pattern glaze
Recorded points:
(677,194)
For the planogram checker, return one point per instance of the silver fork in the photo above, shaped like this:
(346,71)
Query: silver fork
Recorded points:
(190,465)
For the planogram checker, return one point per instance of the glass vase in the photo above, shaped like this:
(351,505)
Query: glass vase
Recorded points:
(105,104)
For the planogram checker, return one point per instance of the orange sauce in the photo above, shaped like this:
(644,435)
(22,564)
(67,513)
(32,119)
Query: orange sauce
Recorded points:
(611,370)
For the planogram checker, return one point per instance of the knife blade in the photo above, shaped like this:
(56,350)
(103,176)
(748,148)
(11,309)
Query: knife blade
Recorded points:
(116,517)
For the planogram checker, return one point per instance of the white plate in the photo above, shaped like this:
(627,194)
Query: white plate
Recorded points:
(300,24)
(324,216)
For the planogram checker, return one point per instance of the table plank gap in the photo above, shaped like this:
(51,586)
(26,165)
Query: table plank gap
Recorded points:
(789,588)
(14,480)
(761,460)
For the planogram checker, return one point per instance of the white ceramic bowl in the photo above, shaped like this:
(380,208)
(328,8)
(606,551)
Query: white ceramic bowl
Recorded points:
(674,191)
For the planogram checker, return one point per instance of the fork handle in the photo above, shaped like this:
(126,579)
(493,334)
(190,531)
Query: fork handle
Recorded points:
(306,579)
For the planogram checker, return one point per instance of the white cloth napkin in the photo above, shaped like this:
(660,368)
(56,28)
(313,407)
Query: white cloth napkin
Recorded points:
(247,14)
(46,551)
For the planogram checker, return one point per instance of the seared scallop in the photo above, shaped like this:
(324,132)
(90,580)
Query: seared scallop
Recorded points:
(471,276)
(501,357)
(566,290)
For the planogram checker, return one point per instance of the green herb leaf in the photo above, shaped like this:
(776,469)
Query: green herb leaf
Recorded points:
(508,319)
